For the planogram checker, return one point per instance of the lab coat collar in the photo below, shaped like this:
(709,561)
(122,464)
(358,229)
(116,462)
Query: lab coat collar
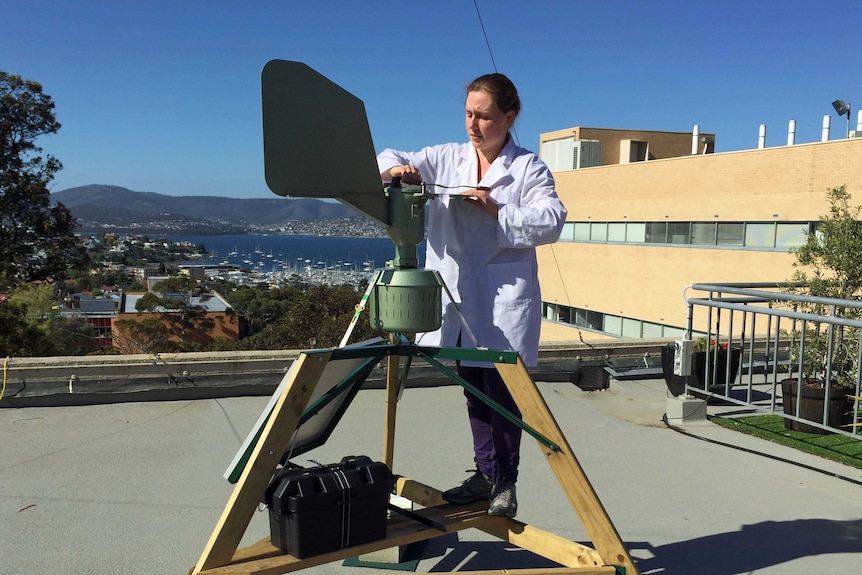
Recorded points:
(496,174)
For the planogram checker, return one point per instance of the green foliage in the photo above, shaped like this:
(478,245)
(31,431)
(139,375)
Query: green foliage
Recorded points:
(19,337)
(829,265)
(262,307)
(37,240)
(170,302)
(830,261)
(814,359)
(699,344)
(297,318)
(146,336)
(34,326)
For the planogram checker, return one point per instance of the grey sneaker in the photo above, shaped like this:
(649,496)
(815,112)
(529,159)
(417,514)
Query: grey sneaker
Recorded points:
(477,488)
(504,503)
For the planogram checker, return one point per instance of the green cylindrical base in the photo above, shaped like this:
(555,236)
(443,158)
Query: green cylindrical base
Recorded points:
(406,301)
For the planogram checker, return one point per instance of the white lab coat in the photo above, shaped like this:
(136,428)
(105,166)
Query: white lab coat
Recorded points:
(488,265)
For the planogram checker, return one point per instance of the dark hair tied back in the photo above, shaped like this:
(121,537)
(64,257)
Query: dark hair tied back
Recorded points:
(501,89)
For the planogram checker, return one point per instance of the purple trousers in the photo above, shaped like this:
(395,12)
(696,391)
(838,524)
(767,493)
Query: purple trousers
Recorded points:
(496,441)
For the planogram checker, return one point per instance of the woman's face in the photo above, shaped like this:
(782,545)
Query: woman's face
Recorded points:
(487,126)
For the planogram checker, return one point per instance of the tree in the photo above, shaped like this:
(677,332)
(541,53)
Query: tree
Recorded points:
(830,261)
(315,317)
(37,240)
(262,307)
(146,336)
(34,326)
(829,265)
(19,337)
(171,300)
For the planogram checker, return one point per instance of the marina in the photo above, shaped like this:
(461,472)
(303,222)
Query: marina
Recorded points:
(282,259)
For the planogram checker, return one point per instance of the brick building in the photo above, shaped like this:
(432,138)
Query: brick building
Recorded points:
(661,211)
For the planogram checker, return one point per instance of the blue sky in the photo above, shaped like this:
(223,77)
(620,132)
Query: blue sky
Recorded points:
(165,96)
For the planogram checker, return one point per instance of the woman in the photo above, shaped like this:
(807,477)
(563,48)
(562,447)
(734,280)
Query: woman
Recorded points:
(483,246)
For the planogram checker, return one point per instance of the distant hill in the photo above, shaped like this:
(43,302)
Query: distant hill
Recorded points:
(100,207)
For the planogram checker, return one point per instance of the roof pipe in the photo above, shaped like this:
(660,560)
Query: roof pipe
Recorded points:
(695,139)
(827,122)
(791,132)
(761,137)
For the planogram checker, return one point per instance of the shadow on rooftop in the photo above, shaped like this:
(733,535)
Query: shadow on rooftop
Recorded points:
(748,550)
(753,547)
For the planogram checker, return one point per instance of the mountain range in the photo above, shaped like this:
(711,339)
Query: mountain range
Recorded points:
(102,208)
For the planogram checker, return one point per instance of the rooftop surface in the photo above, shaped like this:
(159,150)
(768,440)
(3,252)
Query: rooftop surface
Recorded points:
(137,488)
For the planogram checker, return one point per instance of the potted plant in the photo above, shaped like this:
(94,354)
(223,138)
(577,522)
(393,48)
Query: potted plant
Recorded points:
(829,264)
(716,377)
(712,375)
(813,360)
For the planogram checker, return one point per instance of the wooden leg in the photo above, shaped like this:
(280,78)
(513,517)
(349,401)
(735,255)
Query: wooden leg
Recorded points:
(565,466)
(221,551)
(273,442)
(539,541)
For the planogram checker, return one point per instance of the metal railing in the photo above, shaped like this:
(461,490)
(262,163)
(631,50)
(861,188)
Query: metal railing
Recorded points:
(761,352)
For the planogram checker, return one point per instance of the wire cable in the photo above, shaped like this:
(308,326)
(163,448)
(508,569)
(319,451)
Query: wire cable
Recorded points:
(487,43)
(568,299)
(491,53)
(465,186)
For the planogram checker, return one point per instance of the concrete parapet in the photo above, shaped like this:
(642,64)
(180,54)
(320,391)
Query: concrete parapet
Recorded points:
(31,381)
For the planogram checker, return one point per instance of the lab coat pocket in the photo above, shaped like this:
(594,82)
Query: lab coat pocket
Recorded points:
(510,285)
(506,196)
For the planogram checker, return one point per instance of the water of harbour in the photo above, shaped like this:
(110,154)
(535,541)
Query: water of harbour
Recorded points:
(282,255)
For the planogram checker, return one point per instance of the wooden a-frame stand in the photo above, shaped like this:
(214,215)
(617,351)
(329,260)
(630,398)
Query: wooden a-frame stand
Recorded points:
(221,555)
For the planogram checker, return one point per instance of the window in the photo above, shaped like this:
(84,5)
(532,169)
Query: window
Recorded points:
(791,235)
(673,331)
(651,330)
(656,233)
(636,232)
(679,233)
(582,231)
(588,319)
(565,314)
(613,324)
(751,235)
(631,328)
(608,324)
(617,232)
(557,312)
(599,232)
(703,233)
(760,235)
(730,234)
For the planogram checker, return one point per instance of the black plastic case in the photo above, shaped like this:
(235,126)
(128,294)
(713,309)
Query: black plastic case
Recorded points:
(322,509)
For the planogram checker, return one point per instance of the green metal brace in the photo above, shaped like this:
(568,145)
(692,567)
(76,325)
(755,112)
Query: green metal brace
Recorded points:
(374,353)
(491,403)
(432,354)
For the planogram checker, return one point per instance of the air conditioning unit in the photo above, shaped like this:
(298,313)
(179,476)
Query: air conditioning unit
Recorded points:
(586,154)
(571,154)
(854,134)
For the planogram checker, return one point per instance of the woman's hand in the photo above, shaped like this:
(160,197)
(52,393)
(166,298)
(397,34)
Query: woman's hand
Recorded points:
(481,198)
(409,174)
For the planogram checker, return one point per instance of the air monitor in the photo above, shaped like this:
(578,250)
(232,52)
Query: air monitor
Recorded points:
(317,143)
